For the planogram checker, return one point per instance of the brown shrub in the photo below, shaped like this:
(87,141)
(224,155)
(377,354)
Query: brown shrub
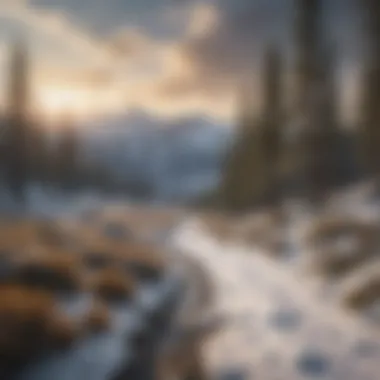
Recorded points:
(19,231)
(62,333)
(364,295)
(98,252)
(116,231)
(20,237)
(97,260)
(144,261)
(148,222)
(25,316)
(182,360)
(113,285)
(98,318)
(53,270)
(339,246)
(220,226)
(331,228)
(52,234)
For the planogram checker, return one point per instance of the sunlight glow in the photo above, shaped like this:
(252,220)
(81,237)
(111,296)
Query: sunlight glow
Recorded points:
(82,104)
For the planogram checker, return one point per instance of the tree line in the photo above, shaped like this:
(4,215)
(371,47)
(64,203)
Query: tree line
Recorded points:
(305,150)
(29,153)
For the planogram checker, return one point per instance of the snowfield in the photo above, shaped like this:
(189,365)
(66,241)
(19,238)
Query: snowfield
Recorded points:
(279,326)
(283,319)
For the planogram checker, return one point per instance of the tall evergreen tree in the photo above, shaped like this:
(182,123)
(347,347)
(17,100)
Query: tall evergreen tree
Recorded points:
(237,188)
(370,107)
(307,34)
(328,133)
(39,153)
(252,169)
(312,85)
(271,119)
(16,135)
(67,155)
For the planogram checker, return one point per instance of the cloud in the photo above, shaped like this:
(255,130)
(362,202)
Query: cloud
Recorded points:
(225,45)
(128,42)
(218,46)
(229,51)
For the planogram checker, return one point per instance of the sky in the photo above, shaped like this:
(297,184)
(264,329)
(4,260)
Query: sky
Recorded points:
(167,57)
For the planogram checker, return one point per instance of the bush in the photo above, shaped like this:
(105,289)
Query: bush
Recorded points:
(26,318)
(364,295)
(144,261)
(62,333)
(50,270)
(98,318)
(19,236)
(339,246)
(220,226)
(116,231)
(16,235)
(51,234)
(113,285)
(97,260)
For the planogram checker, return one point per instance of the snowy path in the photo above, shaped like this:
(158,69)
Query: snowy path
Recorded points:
(279,329)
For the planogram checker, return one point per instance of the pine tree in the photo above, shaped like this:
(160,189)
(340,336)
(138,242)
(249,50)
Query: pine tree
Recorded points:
(16,135)
(307,33)
(239,181)
(272,117)
(67,155)
(312,102)
(323,143)
(251,174)
(39,155)
(370,107)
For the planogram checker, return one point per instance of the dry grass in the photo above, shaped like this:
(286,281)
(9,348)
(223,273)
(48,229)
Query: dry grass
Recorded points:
(182,356)
(365,295)
(183,360)
(18,239)
(139,259)
(97,260)
(62,333)
(22,233)
(97,250)
(113,285)
(26,319)
(331,228)
(116,231)
(220,226)
(339,246)
(98,318)
(52,234)
(263,230)
(18,231)
(144,261)
(53,270)
(149,222)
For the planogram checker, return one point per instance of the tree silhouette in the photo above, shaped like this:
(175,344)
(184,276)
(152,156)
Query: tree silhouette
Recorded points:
(67,155)
(238,182)
(39,153)
(370,104)
(17,117)
(251,171)
(314,106)
(271,119)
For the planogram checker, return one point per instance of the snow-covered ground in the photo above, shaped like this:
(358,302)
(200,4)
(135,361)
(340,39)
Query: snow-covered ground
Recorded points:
(282,323)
